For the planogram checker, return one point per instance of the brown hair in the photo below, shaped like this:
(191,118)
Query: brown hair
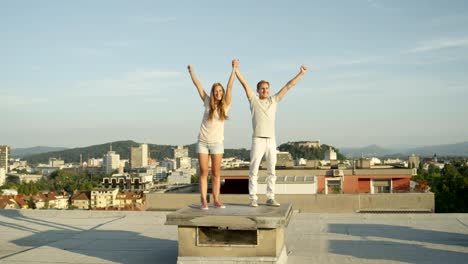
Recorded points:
(219,106)
(262,81)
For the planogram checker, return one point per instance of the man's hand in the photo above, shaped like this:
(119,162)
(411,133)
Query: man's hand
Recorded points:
(190,68)
(291,83)
(303,69)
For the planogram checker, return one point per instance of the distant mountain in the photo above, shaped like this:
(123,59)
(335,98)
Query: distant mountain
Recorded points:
(160,152)
(122,148)
(457,149)
(22,152)
(367,151)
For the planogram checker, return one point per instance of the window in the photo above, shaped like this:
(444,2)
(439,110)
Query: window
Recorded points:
(333,186)
(381,186)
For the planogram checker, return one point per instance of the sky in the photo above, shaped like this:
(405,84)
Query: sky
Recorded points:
(79,73)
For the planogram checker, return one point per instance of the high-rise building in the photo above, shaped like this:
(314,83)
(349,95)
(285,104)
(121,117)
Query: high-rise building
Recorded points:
(139,156)
(330,154)
(4,155)
(413,161)
(184,163)
(94,162)
(182,176)
(161,172)
(170,164)
(110,161)
(180,152)
(2,176)
(54,162)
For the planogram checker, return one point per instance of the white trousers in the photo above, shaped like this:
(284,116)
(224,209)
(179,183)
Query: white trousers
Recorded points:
(260,147)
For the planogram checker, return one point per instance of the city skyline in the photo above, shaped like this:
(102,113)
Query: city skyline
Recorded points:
(389,73)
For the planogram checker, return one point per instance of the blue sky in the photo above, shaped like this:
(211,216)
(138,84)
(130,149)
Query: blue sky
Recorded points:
(78,73)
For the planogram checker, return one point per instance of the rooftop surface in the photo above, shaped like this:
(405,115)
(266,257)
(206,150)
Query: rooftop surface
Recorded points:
(235,216)
(53,236)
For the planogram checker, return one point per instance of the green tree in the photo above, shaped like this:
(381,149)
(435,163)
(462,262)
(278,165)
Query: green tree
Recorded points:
(450,191)
(31,203)
(195,179)
(9,185)
(32,188)
(24,188)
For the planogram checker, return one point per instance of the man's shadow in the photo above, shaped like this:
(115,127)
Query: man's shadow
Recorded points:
(118,246)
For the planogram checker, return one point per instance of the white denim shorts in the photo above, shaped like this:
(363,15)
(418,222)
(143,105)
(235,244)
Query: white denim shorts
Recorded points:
(211,148)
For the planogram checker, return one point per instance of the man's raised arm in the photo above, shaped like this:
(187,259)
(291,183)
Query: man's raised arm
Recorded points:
(291,83)
(248,90)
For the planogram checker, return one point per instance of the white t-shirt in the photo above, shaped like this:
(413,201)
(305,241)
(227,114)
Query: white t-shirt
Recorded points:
(263,115)
(211,131)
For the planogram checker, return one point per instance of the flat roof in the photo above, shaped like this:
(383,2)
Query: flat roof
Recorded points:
(321,172)
(75,236)
(279,179)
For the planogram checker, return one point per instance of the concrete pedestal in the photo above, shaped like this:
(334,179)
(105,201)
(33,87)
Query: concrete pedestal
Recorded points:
(236,234)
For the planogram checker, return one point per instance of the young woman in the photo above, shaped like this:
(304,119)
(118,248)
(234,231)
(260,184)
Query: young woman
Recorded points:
(211,136)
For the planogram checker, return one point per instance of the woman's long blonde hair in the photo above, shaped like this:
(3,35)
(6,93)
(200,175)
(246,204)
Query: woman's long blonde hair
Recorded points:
(219,106)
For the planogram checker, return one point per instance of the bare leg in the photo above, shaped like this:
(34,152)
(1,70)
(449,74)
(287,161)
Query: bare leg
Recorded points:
(203,162)
(216,177)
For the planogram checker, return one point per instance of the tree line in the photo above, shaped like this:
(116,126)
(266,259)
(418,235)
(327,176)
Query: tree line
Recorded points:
(449,185)
(58,181)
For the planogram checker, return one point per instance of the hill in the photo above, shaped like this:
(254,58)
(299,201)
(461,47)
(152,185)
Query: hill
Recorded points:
(160,152)
(297,151)
(368,151)
(457,149)
(97,151)
(242,153)
(22,152)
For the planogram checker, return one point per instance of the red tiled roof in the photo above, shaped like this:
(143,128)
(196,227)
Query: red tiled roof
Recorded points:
(81,196)
(4,198)
(51,196)
(20,201)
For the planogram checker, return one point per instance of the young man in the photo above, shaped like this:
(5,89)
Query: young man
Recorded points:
(263,109)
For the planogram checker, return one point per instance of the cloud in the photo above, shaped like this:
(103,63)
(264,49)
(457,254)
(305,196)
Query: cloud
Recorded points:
(18,101)
(90,51)
(118,44)
(316,64)
(140,82)
(374,3)
(441,44)
(103,49)
(383,5)
(349,62)
(449,20)
(148,75)
(153,20)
